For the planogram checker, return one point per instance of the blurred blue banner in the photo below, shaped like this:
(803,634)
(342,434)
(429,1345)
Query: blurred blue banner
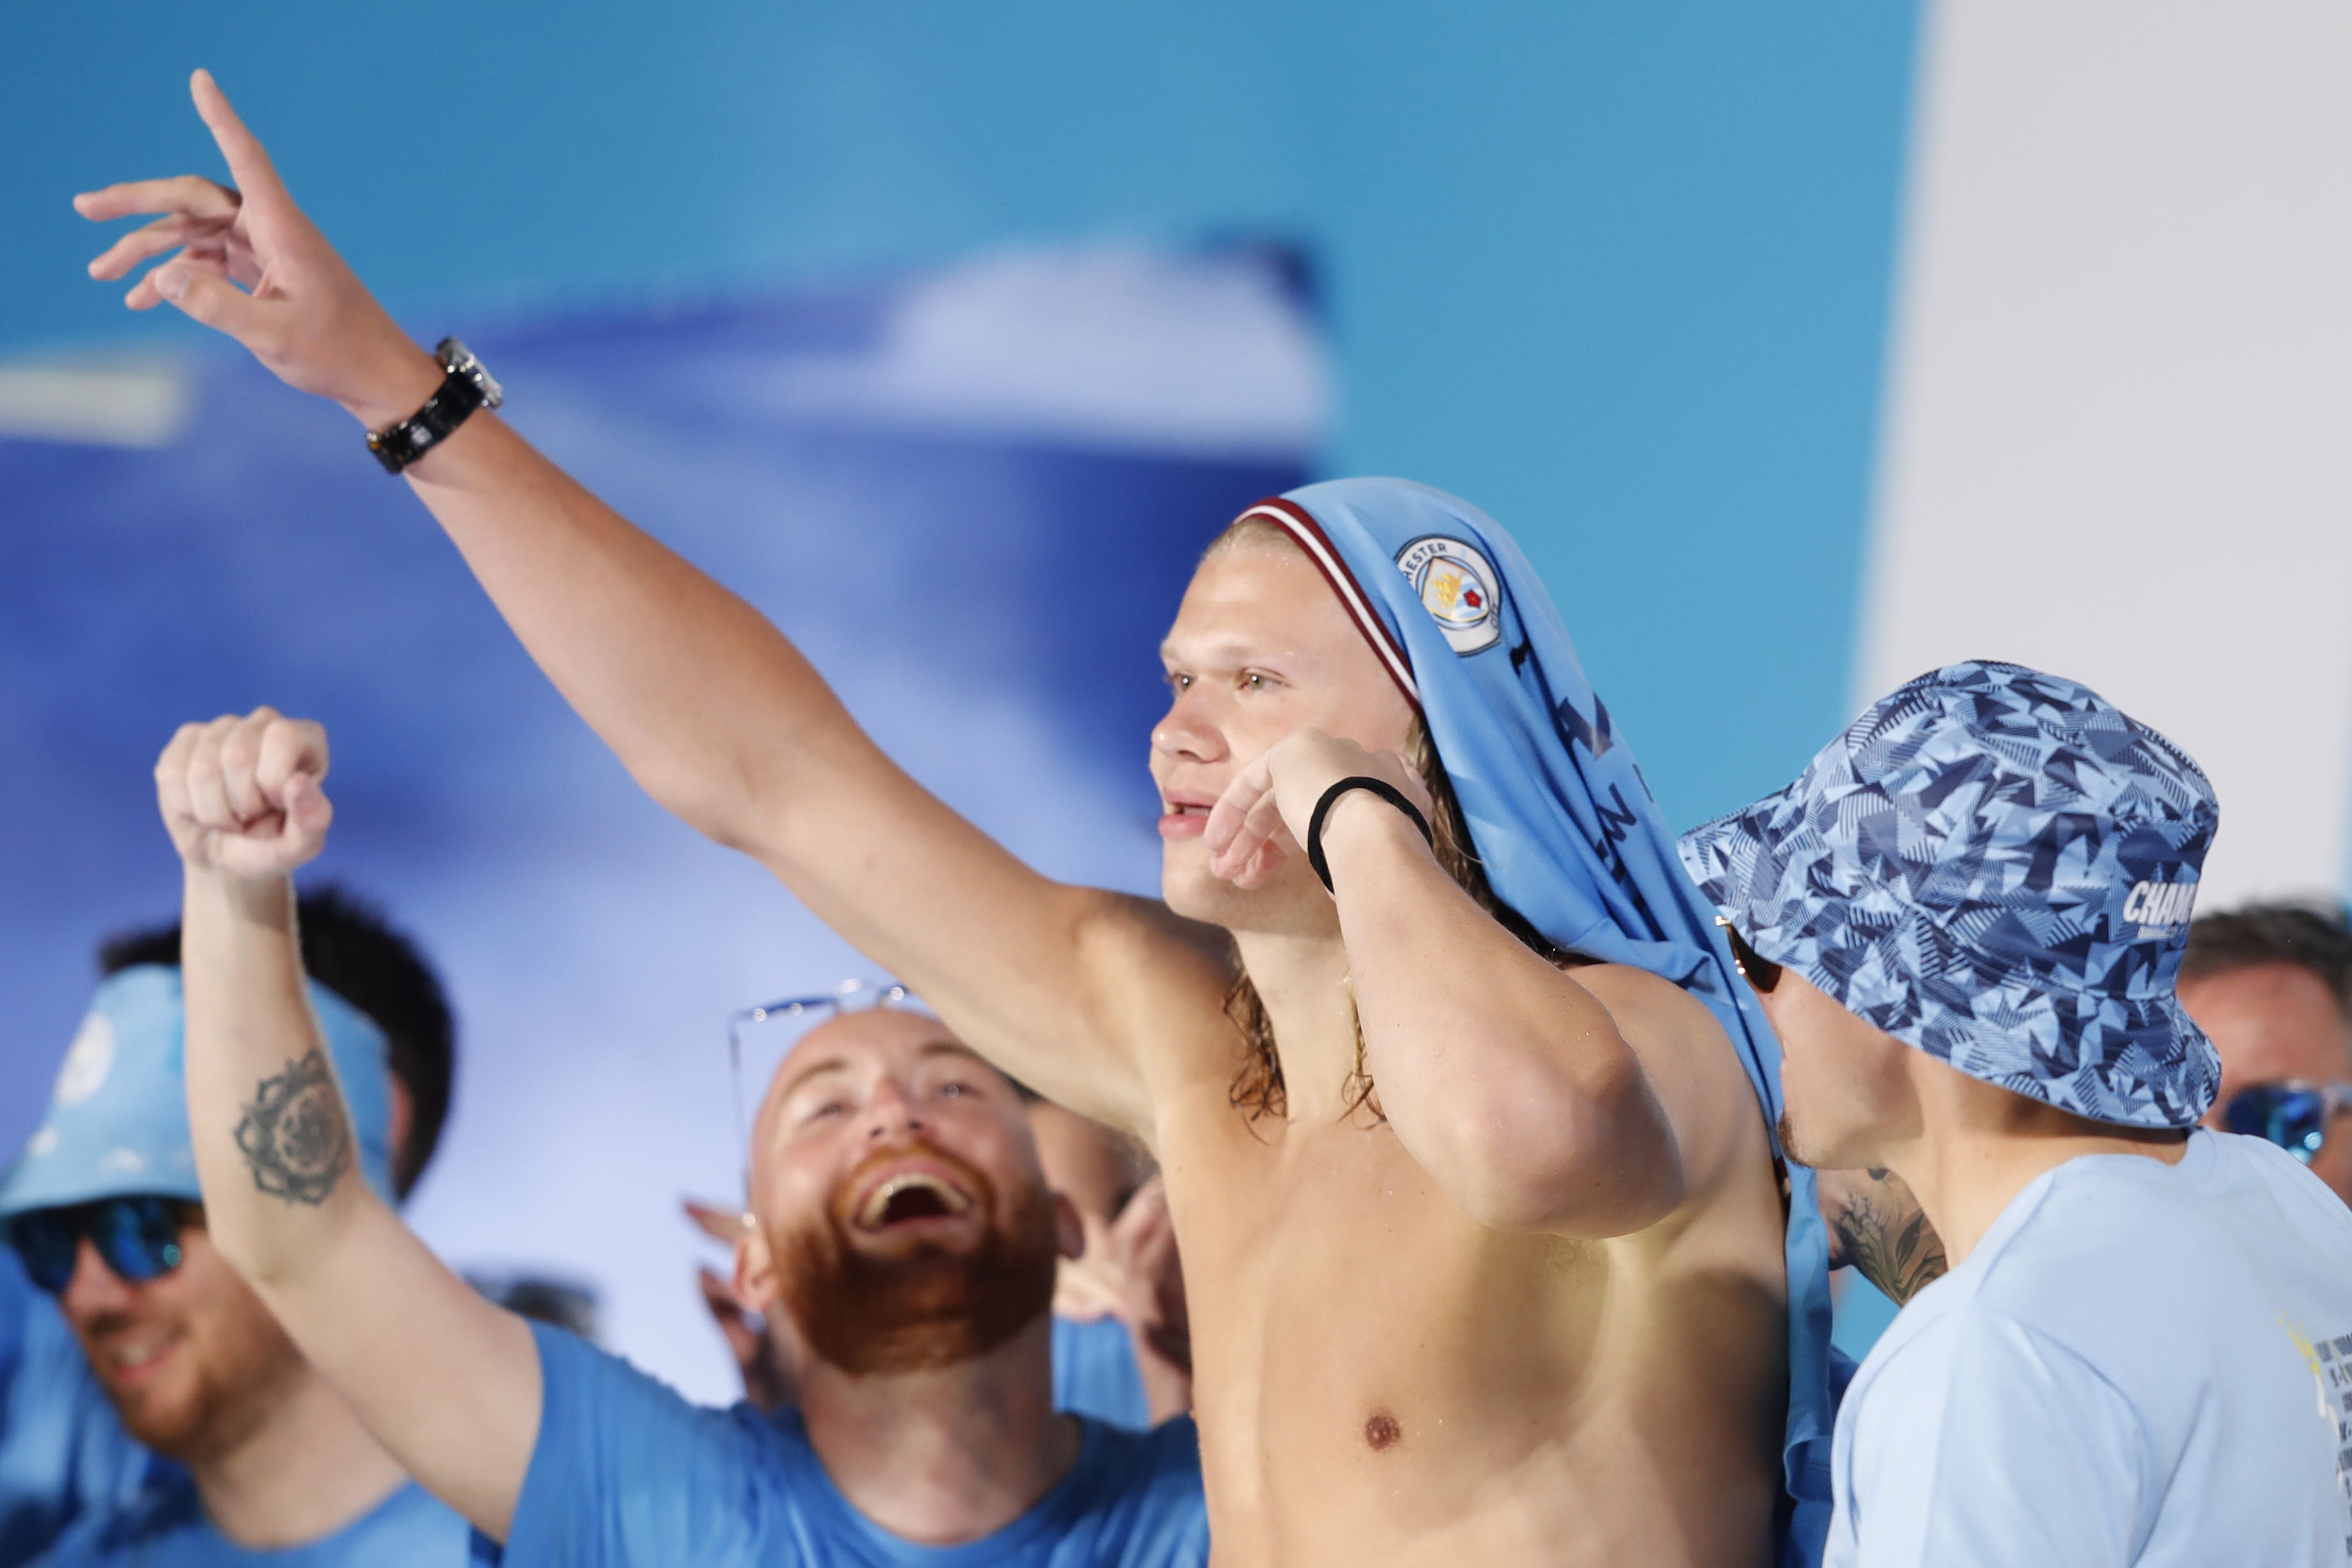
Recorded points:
(972,495)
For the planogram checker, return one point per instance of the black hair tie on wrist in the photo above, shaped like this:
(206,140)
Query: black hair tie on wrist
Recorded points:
(1381,787)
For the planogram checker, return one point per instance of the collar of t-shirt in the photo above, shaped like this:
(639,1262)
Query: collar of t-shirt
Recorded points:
(1051,1516)
(2195,1169)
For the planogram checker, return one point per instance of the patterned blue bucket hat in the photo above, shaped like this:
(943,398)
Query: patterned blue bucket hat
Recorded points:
(1996,866)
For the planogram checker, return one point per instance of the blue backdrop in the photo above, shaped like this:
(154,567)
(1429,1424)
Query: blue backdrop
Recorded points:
(1619,276)
(990,601)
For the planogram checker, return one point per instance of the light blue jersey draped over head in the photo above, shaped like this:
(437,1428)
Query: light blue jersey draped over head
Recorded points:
(1562,822)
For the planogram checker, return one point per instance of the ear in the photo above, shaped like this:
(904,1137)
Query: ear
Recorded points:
(1069,1230)
(756,1284)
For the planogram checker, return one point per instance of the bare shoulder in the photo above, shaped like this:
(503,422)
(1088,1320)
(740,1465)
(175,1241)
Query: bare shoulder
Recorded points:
(1128,944)
(1157,983)
(1695,1070)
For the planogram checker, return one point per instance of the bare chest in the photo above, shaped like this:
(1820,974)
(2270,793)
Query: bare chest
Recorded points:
(1376,1371)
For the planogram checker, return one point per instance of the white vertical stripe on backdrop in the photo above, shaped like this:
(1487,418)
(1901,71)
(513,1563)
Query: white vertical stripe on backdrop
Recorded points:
(2118,440)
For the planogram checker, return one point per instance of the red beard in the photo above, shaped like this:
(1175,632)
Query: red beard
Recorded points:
(928,1308)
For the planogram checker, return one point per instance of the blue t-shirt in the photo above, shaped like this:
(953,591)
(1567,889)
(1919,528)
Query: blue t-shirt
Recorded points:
(168,1529)
(2141,1363)
(1095,1373)
(627,1473)
(62,1451)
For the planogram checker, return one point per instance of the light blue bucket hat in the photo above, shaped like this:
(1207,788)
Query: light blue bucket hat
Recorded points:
(117,1125)
(1996,866)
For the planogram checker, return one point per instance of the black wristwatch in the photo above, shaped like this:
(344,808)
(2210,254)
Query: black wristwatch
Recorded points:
(466,385)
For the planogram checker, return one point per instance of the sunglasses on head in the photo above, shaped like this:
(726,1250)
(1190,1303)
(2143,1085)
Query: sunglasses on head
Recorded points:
(138,1237)
(1758,971)
(758,1039)
(2294,1114)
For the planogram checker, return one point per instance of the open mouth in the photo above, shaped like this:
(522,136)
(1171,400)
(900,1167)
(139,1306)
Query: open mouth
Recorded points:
(910,1197)
(1184,816)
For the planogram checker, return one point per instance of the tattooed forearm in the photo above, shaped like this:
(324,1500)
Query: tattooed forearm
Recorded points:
(295,1135)
(1885,1233)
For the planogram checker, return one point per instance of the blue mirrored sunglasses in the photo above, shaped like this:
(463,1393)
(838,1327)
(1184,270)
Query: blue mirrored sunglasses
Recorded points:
(2294,1115)
(138,1237)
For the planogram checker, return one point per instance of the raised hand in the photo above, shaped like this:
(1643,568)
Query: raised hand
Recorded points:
(1136,1278)
(250,264)
(244,797)
(1261,818)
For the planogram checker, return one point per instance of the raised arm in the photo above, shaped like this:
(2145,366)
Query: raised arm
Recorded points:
(1581,1103)
(448,1383)
(707,705)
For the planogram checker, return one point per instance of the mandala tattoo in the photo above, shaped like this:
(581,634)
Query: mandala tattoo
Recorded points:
(295,1135)
(1889,1239)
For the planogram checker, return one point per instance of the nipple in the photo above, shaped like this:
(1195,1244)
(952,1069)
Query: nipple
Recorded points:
(1381,1431)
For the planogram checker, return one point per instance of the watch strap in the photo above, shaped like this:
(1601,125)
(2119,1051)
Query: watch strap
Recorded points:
(460,393)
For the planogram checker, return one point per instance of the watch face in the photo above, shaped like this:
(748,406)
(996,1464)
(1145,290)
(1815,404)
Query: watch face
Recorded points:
(456,356)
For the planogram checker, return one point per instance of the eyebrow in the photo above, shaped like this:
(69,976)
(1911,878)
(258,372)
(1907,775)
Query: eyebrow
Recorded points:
(956,1048)
(838,1063)
(793,1084)
(1230,648)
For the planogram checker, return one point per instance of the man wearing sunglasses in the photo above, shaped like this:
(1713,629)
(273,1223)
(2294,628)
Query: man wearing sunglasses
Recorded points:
(898,1215)
(1466,1127)
(1965,918)
(103,1211)
(2272,984)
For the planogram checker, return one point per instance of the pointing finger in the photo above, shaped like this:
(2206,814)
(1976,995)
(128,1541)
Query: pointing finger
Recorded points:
(247,164)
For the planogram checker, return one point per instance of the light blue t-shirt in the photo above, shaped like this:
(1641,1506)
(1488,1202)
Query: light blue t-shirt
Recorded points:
(626,1474)
(2141,1362)
(63,1453)
(1095,1373)
(167,1529)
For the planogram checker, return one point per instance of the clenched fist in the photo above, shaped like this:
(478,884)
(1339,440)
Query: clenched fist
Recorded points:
(246,797)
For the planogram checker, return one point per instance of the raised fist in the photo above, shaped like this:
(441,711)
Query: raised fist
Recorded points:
(244,797)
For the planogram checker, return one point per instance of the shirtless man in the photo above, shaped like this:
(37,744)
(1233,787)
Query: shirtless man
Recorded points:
(1485,1250)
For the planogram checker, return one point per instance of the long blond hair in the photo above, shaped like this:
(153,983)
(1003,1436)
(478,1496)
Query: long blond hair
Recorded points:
(1257,1088)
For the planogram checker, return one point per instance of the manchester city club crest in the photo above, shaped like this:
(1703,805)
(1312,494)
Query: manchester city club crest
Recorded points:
(1456,585)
